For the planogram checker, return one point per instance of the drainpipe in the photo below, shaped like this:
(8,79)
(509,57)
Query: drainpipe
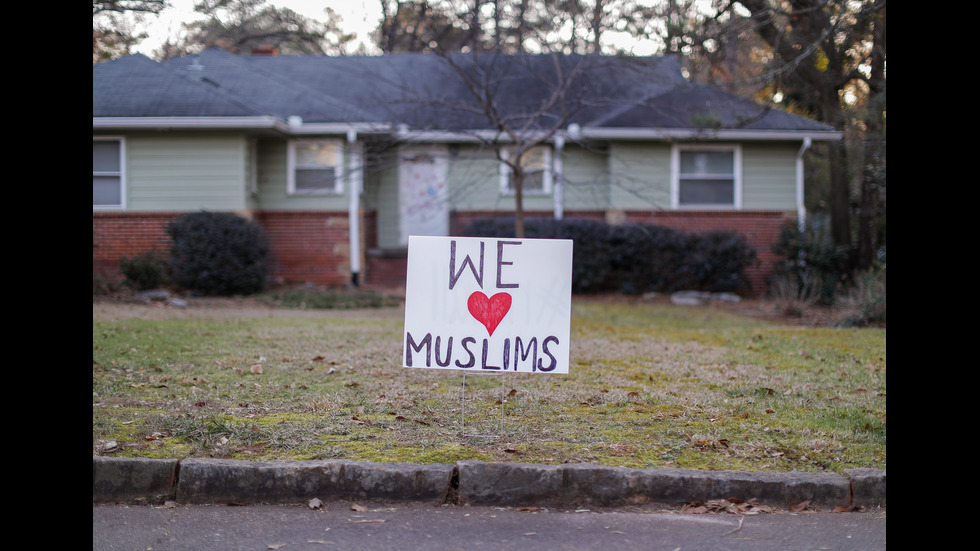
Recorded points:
(800,206)
(355,181)
(558,176)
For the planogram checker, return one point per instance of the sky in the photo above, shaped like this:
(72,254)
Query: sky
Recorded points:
(357,16)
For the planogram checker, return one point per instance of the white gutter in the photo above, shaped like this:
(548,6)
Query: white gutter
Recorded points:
(800,204)
(298,127)
(339,127)
(475,136)
(678,133)
(190,122)
(355,182)
(294,125)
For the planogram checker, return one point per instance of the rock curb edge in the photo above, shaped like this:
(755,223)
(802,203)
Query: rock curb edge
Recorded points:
(228,481)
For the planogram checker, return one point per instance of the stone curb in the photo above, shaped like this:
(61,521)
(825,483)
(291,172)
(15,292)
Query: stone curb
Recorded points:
(225,481)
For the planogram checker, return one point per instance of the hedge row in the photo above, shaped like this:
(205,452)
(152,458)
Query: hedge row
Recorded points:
(637,258)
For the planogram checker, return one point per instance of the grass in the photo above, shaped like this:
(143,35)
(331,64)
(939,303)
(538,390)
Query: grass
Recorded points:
(650,385)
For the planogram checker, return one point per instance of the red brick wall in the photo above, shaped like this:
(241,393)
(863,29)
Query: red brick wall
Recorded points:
(118,234)
(308,246)
(304,246)
(313,247)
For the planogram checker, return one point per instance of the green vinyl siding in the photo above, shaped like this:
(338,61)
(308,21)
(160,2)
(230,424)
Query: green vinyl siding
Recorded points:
(586,178)
(640,176)
(474,181)
(186,173)
(474,184)
(272,194)
(769,176)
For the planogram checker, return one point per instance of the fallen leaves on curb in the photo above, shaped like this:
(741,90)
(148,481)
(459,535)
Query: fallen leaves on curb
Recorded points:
(799,506)
(731,505)
(851,509)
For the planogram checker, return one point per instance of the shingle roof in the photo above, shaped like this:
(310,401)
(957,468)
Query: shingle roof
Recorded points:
(425,91)
(136,86)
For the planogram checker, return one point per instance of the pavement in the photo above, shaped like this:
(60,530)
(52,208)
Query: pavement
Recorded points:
(235,482)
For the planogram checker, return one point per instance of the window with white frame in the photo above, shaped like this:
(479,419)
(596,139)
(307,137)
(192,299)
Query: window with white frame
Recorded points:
(707,176)
(314,166)
(107,172)
(536,166)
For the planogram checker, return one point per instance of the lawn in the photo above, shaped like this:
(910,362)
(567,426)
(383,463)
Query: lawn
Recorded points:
(650,384)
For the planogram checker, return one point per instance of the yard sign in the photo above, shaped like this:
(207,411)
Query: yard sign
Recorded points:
(487,304)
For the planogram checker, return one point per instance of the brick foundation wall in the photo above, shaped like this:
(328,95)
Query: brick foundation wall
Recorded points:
(313,246)
(308,246)
(304,246)
(118,234)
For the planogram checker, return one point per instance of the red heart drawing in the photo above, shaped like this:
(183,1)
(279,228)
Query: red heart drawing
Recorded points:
(489,311)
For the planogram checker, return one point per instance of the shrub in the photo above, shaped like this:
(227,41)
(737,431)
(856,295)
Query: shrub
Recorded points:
(811,256)
(218,254)
(144,271)
(635,258)
(864,300)
(717,261)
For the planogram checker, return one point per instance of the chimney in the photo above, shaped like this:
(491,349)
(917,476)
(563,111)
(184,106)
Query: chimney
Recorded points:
(265,49)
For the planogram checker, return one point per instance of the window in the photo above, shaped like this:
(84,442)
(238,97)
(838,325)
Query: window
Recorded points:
(107,172)
(314,166)
(707,177)
(536,164)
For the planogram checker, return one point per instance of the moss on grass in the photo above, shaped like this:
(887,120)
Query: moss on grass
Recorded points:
(649,386)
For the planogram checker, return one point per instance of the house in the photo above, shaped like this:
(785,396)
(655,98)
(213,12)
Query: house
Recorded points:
(340,159)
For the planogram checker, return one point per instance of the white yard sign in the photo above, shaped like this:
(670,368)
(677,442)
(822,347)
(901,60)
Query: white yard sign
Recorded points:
(488,304)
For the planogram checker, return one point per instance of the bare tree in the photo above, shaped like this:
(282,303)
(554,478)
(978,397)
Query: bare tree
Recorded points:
(824,59)
(115,26)
(123,6)
(241,26)
(518,132)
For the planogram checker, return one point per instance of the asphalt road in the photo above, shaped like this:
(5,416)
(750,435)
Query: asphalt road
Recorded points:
(424,526)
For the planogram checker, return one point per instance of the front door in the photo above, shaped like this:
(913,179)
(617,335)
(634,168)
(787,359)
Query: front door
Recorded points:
(423,192)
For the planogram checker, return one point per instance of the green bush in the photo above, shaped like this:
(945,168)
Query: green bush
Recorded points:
(810,256)
(144,271)
(865,300)
(219,254)
(635,258)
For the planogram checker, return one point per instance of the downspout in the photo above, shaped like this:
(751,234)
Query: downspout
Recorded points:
(800,203)
(355,181)
(800,206)
(558,177)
